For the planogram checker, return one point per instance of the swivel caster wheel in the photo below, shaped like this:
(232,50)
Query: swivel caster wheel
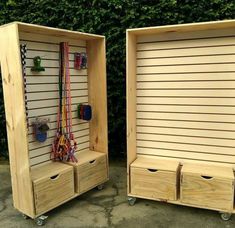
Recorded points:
(131,201)
(41,220)
(25,216)
(100,187)
(225,216)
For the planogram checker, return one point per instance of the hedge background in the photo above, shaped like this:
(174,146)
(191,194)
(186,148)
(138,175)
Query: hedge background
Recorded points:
(110,18)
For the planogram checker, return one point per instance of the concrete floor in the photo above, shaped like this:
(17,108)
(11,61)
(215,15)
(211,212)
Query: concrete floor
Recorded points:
(109,208)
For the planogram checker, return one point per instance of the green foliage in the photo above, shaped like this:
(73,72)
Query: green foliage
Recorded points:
(111,18)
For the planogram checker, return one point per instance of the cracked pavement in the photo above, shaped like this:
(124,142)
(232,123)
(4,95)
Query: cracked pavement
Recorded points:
(109,208)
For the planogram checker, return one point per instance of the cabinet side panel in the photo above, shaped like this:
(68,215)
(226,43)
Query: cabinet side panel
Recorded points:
(97,95)
(131,101)
(13,88)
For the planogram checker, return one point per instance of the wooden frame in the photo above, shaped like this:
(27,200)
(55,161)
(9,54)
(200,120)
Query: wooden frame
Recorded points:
(178,99)
(37,95)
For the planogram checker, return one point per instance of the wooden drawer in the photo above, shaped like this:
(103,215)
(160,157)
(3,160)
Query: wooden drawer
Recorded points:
(90,170)
(153,179)
(91,174)
(50,191)
(207,187)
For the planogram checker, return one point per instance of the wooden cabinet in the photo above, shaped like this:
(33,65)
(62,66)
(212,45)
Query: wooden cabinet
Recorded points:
(38,185)
(207,186)
(180,93)
(154,178)
(53,184)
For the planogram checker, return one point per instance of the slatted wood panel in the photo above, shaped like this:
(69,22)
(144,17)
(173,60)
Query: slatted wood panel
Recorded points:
(186,96)
(42,92)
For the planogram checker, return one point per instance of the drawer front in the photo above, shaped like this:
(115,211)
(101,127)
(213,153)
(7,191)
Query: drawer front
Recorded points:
(154,184)
(50,192)
(92,174)
(207,192)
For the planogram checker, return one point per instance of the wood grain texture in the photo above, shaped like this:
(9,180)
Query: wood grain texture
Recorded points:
(169,32)
(130,102)
(52,185)
(16,120)
(214,193)
(156,163)
(155,184)
(90,170)
(97,95)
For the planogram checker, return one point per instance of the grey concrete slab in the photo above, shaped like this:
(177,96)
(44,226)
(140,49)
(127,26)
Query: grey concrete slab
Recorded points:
(109,208)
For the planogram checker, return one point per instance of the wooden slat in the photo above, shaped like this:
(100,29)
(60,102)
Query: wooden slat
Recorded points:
(33,45)
(53,116)
(189,139)
(53,79)
(187,60)
(186,124)
(187,132)
(186,68)
(186,93)
(189,109)
(185,101)
(46,157)
(48,62)
(37,146)
(187,52)
(46,55)
(54,71)
(195,76)
(82,124)
(180,35)
(190,43)
(51,110)
(77,131)
(186,116)
(31,97)
(45,63)
(187,147)
(53,102)
(185,155)
(187,85)
(49,141)
(50,39)
(47,149)
(54,87)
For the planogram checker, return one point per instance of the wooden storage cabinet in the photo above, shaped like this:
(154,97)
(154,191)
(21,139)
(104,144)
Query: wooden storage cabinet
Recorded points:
(52,184)
(180,107)
(154,179)
(90,171)
(207,186)
(38,184)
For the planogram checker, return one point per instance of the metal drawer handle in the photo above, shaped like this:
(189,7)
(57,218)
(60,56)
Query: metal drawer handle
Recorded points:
(152,170)
(55,177)
(93,161)
(206,177)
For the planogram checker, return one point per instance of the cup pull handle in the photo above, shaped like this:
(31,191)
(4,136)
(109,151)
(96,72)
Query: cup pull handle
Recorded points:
(152,170)
(55,177)
(206,177)
(91,162)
